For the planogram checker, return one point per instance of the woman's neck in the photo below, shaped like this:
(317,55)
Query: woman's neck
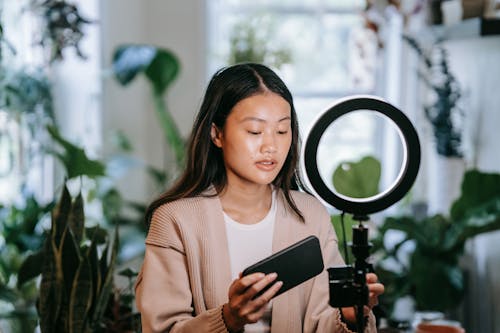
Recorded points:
(247,206)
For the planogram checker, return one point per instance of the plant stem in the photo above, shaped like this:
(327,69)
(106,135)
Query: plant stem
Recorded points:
(170,129)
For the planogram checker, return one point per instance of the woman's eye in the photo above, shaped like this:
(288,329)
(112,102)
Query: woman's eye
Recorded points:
(282,132)
(254,132)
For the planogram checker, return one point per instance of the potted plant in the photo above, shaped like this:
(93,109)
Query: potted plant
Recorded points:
(76,265)
(429,269)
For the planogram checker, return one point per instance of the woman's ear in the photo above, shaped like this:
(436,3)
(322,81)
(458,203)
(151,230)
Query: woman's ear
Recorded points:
(215,135)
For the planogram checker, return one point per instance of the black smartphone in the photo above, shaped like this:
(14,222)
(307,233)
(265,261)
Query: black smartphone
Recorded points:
(295,264)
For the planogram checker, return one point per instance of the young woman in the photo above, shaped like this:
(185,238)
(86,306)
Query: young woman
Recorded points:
(233,206)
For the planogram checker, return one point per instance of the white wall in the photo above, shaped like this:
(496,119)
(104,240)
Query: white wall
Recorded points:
(475,62)
(176,25)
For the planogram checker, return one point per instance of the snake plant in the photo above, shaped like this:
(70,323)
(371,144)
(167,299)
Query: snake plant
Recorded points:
(76,265)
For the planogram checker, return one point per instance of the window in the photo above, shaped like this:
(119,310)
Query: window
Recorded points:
(326,54)
(74,85)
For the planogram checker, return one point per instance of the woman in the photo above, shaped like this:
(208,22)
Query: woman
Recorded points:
(233,206)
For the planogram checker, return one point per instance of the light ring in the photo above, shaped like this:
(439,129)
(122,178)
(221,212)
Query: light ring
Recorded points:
(406,176)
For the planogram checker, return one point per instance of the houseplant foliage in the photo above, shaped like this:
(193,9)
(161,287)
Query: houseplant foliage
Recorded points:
(444,112)
(160,67)
(20,235)
(23,234)
(25,95)
(63,27)
(430,271)
(76,265)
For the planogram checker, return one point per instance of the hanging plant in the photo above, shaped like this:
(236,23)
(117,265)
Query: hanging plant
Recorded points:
(444,112)
(26,91)
(62,27)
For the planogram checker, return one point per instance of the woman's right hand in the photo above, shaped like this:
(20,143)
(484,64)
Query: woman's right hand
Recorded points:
(242,308)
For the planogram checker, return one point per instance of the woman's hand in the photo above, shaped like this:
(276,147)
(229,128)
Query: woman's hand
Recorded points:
(242,308)
(375,289)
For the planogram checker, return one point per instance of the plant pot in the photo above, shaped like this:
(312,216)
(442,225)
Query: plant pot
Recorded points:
(438,328)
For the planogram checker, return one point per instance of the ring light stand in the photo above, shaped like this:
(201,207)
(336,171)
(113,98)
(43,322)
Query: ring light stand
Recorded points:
(355,292)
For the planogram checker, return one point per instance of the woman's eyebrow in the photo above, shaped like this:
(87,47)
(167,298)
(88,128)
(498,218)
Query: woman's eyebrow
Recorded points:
(263,120)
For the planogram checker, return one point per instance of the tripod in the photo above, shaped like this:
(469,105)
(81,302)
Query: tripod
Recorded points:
(348,283)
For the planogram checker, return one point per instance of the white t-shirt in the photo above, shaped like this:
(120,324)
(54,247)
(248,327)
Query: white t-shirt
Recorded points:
(249,243)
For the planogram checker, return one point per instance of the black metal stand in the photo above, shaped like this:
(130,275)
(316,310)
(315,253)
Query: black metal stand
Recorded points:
(347,284)
(361,250)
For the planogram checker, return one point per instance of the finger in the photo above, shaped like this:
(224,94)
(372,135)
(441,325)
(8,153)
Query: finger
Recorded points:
(256,308)
(371,278)
(260,285)
(263,299)
(376,289)
(255,316)
(242,284)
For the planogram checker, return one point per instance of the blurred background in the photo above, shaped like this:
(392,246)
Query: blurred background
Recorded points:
(97,99)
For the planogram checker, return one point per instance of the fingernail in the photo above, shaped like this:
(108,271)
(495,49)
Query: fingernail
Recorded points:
(273,275)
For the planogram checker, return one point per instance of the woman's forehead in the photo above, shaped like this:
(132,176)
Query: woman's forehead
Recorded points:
(267,107)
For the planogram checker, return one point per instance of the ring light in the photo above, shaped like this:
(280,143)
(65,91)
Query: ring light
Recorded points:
(405,178)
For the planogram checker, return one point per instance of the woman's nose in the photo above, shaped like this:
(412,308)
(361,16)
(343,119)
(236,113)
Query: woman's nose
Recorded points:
(269,144)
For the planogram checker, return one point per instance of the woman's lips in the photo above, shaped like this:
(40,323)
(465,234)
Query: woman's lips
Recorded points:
(266,165)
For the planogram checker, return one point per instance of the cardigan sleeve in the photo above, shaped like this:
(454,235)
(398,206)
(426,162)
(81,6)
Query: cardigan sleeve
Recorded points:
(163,293)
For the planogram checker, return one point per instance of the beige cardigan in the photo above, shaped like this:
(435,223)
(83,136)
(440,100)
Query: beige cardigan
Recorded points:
(185,276)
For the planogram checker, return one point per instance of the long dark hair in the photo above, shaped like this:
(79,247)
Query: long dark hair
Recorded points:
(204,162)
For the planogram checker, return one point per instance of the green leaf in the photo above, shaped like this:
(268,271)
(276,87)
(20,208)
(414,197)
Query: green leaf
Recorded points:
(60,216)
(81,297)
(97,234)
(93,257)
(70,259)
(107,284)
(480,219)
(477,188)
(7,294)
(74,158)
(130,60)
(336,220)
(358,179)
(76,219)
(162,70)
(160,66)
(49,300)
(30,268)
(438,284)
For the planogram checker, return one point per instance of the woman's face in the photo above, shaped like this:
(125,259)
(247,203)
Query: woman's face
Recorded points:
(256,139)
